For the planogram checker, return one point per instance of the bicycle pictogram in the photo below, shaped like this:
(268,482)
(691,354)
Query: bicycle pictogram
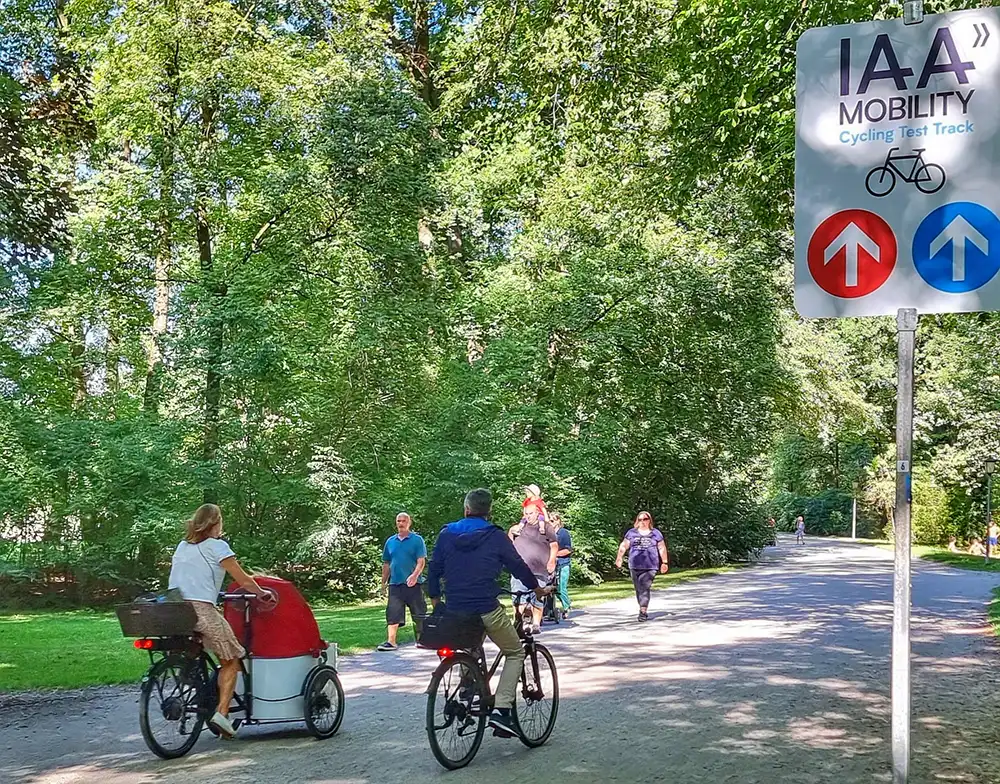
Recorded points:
(928,177)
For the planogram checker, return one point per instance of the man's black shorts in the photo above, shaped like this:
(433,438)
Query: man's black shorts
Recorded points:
(402,596)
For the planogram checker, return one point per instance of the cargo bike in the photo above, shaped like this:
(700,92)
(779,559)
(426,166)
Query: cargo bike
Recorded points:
(289,673)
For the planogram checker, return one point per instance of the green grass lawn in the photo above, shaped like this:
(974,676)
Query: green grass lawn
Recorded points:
(61,650)
(937,554)
(994,611)
(943,555)
(961,560)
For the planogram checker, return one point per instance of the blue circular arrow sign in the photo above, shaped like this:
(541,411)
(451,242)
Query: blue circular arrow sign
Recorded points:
(957,247)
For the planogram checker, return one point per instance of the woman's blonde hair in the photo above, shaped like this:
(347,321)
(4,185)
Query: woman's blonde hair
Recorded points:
(202,522)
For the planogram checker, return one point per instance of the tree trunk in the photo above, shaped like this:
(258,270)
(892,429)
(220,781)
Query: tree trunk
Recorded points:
(78,371)
(217,289)
(111,360)
(165,241)
(420,64)
(161,293)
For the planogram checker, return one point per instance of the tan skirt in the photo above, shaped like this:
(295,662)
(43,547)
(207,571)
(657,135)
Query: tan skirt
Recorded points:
(216,633)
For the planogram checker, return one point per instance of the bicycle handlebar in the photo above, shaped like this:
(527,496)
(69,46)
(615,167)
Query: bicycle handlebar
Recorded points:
(232,597)
(546,589)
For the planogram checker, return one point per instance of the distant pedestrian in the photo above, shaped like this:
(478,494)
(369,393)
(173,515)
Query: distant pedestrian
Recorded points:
(403,559)
(564,553)
(800,530)
(647,554)
(773,530)
(991,539)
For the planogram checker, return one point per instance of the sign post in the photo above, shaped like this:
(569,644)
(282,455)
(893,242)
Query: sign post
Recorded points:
(906,327)
(897,156)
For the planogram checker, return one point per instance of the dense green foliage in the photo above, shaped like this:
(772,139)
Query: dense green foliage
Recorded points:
(320,263)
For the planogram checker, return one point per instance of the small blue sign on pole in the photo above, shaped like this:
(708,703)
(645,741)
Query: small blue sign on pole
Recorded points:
(956,248)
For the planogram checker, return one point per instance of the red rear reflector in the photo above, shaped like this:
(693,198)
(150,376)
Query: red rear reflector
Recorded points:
(144,645)
(445,653)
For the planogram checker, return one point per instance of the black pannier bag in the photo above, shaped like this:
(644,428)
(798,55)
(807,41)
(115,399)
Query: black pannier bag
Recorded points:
(445,628)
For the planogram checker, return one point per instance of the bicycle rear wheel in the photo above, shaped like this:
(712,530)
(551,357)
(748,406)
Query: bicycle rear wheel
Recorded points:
(537,703)
(170,707)
(456,711)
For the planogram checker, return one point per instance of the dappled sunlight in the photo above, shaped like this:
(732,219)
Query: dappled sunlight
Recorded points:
(744,713)
(821,731)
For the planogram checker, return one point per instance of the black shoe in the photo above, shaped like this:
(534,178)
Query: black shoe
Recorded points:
(643,616)
(502,724)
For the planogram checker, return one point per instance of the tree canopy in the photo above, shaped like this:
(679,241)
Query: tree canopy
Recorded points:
(319,263)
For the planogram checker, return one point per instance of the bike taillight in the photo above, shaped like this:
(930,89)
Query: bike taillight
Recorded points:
(445,653)
(144,645)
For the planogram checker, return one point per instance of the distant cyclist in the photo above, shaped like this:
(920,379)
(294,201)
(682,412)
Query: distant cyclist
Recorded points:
(469,556)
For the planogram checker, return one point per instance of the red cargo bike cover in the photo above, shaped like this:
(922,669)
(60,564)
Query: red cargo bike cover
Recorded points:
(278,632)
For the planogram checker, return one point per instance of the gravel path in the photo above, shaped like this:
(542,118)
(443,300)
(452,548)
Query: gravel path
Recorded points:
(776,673)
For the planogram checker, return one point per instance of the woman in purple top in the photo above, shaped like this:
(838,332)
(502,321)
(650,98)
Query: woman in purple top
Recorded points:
(647,554)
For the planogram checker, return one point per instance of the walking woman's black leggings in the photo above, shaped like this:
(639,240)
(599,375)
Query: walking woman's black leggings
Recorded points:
(642,579)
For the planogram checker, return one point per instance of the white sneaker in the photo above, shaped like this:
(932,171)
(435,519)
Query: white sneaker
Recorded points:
(223,725)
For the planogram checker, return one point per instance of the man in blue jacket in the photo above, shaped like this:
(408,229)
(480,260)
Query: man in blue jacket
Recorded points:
(469,555)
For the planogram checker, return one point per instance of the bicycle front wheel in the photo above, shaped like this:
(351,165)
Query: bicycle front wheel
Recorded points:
(170,714)
(880,181)
(456,711)
(324,702)
(537,702)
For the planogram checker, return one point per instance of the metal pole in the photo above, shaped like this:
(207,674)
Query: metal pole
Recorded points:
(906,326)
(989,511)
(854,519)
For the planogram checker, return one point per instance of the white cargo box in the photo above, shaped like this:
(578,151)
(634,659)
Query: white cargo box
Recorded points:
(277,686)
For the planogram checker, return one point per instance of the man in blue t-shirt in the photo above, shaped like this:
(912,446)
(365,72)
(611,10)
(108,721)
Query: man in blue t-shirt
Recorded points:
(565,544)
(403,559)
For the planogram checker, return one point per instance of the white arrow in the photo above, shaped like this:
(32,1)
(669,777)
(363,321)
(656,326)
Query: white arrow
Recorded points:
(959,232)
(852,238)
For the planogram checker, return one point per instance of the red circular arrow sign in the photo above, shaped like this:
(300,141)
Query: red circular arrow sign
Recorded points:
(852,253)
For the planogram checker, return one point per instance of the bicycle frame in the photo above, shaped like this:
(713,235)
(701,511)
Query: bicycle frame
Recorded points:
(918,161)
(198,657)
(527,645)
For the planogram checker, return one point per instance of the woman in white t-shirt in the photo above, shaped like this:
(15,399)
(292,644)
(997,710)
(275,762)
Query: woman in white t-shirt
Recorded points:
(197,570)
